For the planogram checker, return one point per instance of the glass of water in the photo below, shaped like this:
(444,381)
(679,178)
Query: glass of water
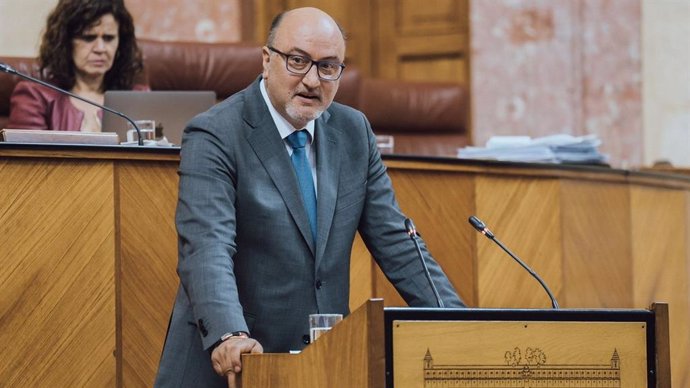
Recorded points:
(321,323)
(147,128)
(385,144)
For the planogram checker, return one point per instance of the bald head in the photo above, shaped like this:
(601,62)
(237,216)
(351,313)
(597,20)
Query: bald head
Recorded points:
(304,48)
(309,17)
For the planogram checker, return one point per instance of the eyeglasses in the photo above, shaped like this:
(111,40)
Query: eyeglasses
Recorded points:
(299,64)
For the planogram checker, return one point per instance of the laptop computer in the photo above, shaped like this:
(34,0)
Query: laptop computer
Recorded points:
(171,110)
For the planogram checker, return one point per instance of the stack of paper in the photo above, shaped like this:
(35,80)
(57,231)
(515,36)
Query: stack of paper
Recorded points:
(549,149)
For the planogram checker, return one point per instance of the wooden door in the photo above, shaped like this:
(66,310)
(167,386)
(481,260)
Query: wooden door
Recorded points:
(422,40)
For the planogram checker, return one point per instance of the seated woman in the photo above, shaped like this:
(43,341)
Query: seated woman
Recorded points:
(88,47)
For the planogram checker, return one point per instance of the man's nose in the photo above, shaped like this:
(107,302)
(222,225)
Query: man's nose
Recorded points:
(312,79)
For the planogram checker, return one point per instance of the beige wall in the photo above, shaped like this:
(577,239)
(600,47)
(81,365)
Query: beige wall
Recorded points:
(560,66)
(666,80)
(21,24)
(187,20)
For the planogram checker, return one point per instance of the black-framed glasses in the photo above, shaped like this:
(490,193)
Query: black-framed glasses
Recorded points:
(299,64)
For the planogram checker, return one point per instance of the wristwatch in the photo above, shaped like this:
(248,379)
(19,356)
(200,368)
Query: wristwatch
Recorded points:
(227,336)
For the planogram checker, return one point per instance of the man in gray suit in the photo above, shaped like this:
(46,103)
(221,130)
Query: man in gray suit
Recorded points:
(261,244)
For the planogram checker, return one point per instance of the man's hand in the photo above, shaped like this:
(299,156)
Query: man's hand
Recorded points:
(226,358)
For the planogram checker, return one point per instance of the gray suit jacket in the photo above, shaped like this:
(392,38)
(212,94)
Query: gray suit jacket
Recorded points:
(247,261)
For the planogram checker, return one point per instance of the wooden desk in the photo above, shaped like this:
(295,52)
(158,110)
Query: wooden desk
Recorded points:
(88,253)
(88,250)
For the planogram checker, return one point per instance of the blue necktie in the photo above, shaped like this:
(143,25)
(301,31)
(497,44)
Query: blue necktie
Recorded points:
(300,162)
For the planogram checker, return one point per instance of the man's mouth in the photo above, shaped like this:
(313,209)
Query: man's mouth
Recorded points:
(309,96)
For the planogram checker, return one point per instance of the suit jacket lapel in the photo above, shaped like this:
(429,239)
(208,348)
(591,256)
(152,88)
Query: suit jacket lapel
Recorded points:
(328,172)
(270,149)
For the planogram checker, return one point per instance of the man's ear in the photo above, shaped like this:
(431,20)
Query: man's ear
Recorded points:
(266,60)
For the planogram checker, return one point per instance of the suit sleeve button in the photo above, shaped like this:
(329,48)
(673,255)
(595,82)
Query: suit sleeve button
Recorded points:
(318,284)
(202,328)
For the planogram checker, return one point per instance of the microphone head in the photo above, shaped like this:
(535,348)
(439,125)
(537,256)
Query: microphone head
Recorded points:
(477,223)
(409,227)
(480,226)
(5,68)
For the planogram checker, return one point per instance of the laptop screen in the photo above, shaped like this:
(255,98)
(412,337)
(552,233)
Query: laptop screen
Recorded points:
(171,110)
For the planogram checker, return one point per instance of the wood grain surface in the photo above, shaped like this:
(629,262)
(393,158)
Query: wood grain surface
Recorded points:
(148,260)
(661,264)
(351,354)
(597,245)
(524,214)
(57,286)
(575,348)
(88,252)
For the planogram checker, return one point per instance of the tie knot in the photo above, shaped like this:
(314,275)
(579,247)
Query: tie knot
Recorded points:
(298,139)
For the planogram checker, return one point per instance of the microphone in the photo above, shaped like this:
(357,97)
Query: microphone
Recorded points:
(5,68)
(481,227)
(412,232)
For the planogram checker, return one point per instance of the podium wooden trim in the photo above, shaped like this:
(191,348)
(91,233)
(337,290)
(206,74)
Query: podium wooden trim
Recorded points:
(349,355)
(359,352)
(662,344)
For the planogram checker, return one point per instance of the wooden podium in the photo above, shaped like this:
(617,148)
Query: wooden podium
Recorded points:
(349,355)
(414,348)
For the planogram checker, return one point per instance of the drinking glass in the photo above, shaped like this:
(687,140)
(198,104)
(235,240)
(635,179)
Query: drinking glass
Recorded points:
(147,128)
(321,323)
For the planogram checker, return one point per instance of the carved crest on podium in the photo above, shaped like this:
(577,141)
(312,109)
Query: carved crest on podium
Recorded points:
(528,368)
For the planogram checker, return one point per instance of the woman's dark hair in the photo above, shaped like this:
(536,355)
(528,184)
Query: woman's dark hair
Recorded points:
(70,19)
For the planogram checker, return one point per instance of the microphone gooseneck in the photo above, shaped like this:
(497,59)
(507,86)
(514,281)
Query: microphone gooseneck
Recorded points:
(482,228)
(5,68)
(412,232)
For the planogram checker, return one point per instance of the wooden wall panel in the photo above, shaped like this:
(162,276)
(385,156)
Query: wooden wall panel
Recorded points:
(393,39)
(524,214)
(439,204)
(57,287)
(78,228)
(660,248)
(437,69)
(596,244)
(437,17)
(148,251)
(422,43)
(354,16)
(361,274)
